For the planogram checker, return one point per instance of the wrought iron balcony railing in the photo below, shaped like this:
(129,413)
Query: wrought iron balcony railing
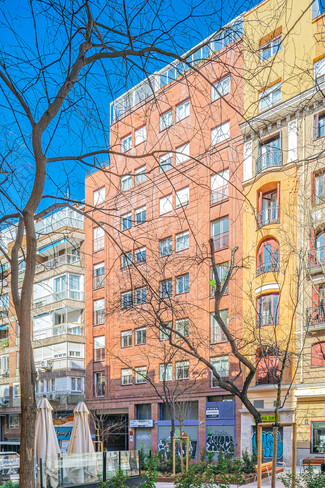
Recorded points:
(269,215)
(270,159)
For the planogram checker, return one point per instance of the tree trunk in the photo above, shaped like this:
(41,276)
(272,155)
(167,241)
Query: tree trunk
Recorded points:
(172,435)
(275,447)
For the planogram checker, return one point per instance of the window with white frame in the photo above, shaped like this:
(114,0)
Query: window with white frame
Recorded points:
(140,336)
(182,153)
(165,204)
(126,299)
(140,374)
(16,390)
(166,372)
(166,288)
(126,338)
(165,331)
(126,143)
(126,259)
(182,326)
(166,119)
(182,241)
(140,175)
(126,376)
(126,221)
(270,48)
(269,97)
(319,71)
(99,196)
(13,421)
(165,162)
(222,272)
(4,365)
(140,135)
(98,239)
(182,370)
(182,284)
(220,186)
(126,182)
(182,110)
(140,215)
(140,255)
(182,197)
(99,311)
(216,333)
(140,295)
(166,246)
(99,277)
(221,88)
(99,348)
(220,133)
(76,384)
(221,364)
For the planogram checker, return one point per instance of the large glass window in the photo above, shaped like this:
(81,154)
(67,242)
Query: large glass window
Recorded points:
(182,370)
(182,153)
(140,295)
(318,354)
(99,196)
(140,374)
(126,182)
(269,210)
(319,71)
(182,197)
(140,215)
(126,375)
(140,175)
(319,125)
(140,335)
(267,307)
(317,437)
(182,326)
(166,162)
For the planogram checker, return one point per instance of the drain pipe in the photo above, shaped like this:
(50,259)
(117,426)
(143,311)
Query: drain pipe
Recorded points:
(303,242)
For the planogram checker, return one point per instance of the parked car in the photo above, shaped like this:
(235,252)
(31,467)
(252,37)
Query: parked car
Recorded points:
(9,466)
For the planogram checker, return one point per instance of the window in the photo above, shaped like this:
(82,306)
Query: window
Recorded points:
(317,437)
(270,48)
(267,367)
(126,182)
(165,331)
(165,372)
(140,295)
(220,186)
(222,272)
(220,88)
(76,384)
(182,153)
(165,162)
(126,299)
(221,365)
(99,311)
(319,71)
(13,421)
(140,175)
(98,276)
(220,133)
(99,196)
(140,374)
(126,375)
(140,215)
(269,210)
(126,143)
(126,221)
(182,326)
(182,241)
(267,307)
(166,246)
(269,154)
(165,204)
(99,348)
(126,338)
(182,110)
(140,336)
(74,287)
(166,119)
(318,188)
(220,233)
(182,370)
(182,197)
(126,259)
(319,125)
(98,238)
(140,135)
(99,384)
(4,365)
(318,354)
(140,255)
(182,284)
(216,333)
(268,256)
(269,97)
(16,390)
(166,288)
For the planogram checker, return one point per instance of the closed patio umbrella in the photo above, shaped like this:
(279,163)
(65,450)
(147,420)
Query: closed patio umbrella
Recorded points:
(46,442)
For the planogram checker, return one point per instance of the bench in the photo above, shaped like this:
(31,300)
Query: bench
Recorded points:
(316,461)
(267,468)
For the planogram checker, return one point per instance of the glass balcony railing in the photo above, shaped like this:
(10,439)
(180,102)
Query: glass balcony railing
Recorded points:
(270,159)
(269,215)
(58,296)
(58,330)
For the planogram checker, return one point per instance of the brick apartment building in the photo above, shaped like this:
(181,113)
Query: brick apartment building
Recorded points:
(158,204)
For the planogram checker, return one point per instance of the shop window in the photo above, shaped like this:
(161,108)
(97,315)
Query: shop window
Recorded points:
(268,209)
(267,310)
(267,366)
(318,354)
(269,154)
(268,257)
(317,437)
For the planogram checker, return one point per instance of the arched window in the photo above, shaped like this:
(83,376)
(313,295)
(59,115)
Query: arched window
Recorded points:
(318,354)
(267,366)
(267,256)
(268,309)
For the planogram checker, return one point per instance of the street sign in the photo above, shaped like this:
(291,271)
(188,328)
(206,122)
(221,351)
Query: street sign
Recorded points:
(212,412)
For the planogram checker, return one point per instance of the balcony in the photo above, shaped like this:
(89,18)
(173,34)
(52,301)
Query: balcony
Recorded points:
(58,330)
(267,267)
(63,397)
(316,259)
(270,159)
(60,363)
(315,318)
(220,194)
(65,217)
(269,215)
(76,295)
(221,241)
(72,259)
